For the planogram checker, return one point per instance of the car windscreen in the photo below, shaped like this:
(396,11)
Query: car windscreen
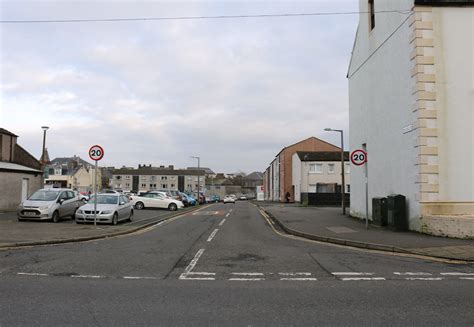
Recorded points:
(44,195)
(105,199)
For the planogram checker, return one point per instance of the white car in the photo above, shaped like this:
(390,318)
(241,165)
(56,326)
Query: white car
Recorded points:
(156,200)
(229,199)
(111,208)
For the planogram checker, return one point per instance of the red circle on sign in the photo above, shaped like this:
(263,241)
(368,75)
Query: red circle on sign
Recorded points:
(358,157)
(96,152)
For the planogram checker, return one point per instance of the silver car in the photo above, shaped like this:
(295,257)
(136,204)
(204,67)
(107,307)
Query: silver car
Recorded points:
(49,204)
(111,208)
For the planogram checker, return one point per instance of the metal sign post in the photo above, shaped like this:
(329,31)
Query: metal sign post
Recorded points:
(96,153)
(359,158)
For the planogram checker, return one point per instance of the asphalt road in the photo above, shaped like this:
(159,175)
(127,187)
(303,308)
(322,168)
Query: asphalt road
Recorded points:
(226,265)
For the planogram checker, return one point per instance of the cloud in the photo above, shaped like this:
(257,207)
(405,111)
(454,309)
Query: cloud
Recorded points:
(232,91)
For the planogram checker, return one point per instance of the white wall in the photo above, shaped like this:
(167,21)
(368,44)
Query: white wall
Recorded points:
(454,62)
(380,97)
(296,177)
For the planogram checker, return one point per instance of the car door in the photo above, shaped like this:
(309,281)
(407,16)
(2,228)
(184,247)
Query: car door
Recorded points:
(123,207)
(161,201)
(63,207)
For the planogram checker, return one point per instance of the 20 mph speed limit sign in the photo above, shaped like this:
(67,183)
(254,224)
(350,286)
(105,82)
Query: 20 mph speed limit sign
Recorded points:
(358,157)
(96,152)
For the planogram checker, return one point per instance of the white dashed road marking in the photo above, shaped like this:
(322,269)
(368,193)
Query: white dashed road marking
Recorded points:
(138,277)
(300,279)
(247,274)
(228,214)
(222,222)
(294,274)
(246,279)
(362,278)
(350,273)
(466,278)
(456,274)
(31,274)
(212,235)
(190,267)
(412,274)
(424,278)
(87,276)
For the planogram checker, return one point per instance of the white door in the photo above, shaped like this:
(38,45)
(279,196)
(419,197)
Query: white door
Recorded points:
(24,189)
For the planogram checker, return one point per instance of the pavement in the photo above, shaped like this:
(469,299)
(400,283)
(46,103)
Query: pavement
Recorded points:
(328,224)
(29,233)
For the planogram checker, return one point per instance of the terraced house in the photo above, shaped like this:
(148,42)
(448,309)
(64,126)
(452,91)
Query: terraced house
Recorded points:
(411,96)
(147,177)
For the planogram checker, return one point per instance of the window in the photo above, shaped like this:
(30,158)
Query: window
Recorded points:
(127,177)
(348,188)
(143,177)
(322,188)
(143,185)
(371,14)
(172,185)
(127,185)
(348,168)
(163,178)
(57,171)
(312,188)
(330,168)
(164,186)
(118,177)
(153,178)
(316,168)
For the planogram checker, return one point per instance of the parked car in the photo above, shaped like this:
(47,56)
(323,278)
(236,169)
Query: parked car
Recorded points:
(110,209)
(49,204)
(191,201)
(156,200)
(229,199)
(242,197)
(215,198)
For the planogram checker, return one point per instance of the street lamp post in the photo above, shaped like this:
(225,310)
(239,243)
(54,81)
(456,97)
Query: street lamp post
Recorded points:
(199,184)
(343,203)
(44,128)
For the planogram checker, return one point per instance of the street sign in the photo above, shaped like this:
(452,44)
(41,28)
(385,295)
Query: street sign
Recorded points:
(96,152)
(358,157)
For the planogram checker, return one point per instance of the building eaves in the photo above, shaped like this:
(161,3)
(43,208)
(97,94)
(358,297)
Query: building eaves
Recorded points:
(322,155)
(444,3)
(4,131)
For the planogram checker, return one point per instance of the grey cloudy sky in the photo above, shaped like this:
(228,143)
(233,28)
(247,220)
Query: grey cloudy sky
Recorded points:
(232,91)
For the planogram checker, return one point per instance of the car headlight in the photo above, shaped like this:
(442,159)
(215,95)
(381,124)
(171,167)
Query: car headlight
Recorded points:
(106,212)
(44,207)
(79,211)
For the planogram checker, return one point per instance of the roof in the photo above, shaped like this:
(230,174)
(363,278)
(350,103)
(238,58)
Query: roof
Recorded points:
(309,138)
(206,170)
(255,176)
(322,156)
(16,167)
(444,2)
(4,131)
(158,171)
(67,160)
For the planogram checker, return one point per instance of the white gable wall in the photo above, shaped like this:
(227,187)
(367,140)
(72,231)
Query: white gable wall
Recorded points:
(380,97)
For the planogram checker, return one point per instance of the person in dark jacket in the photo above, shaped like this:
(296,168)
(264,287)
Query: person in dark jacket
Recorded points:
(287,196)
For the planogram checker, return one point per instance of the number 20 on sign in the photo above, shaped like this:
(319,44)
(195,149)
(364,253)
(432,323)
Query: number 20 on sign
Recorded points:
(358,157)
(96,152)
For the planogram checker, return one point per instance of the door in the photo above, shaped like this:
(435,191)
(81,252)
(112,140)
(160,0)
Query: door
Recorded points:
(63,208)
(135,184)
(181,183)
(24,189)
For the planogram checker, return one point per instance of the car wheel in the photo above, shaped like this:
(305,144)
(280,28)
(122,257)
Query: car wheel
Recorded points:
(130,218)
(55,218)
(115,219)
(173,207)
(139,205)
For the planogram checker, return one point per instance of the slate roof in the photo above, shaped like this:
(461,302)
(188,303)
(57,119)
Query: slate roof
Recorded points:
(206,170)
(322,156)
(67,160)
(255,176)
(158,171)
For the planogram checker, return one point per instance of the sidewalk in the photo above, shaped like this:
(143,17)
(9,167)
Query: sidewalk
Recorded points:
(16,234)
(329,225)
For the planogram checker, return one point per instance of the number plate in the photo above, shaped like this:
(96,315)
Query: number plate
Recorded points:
(29,213)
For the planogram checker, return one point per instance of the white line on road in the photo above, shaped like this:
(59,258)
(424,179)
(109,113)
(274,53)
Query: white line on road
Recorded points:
(184,276)
(362,278)
(294,274)
(212,235)
(412,274)
(352,273)
(31,274)
(87,276)
(456,274)
(247,273)
(230,210)
(467,278)
(424,278)
(228,214)
(193,262)
(246,279)
(202,273)
(299,279)
(138,277)
(222,222)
